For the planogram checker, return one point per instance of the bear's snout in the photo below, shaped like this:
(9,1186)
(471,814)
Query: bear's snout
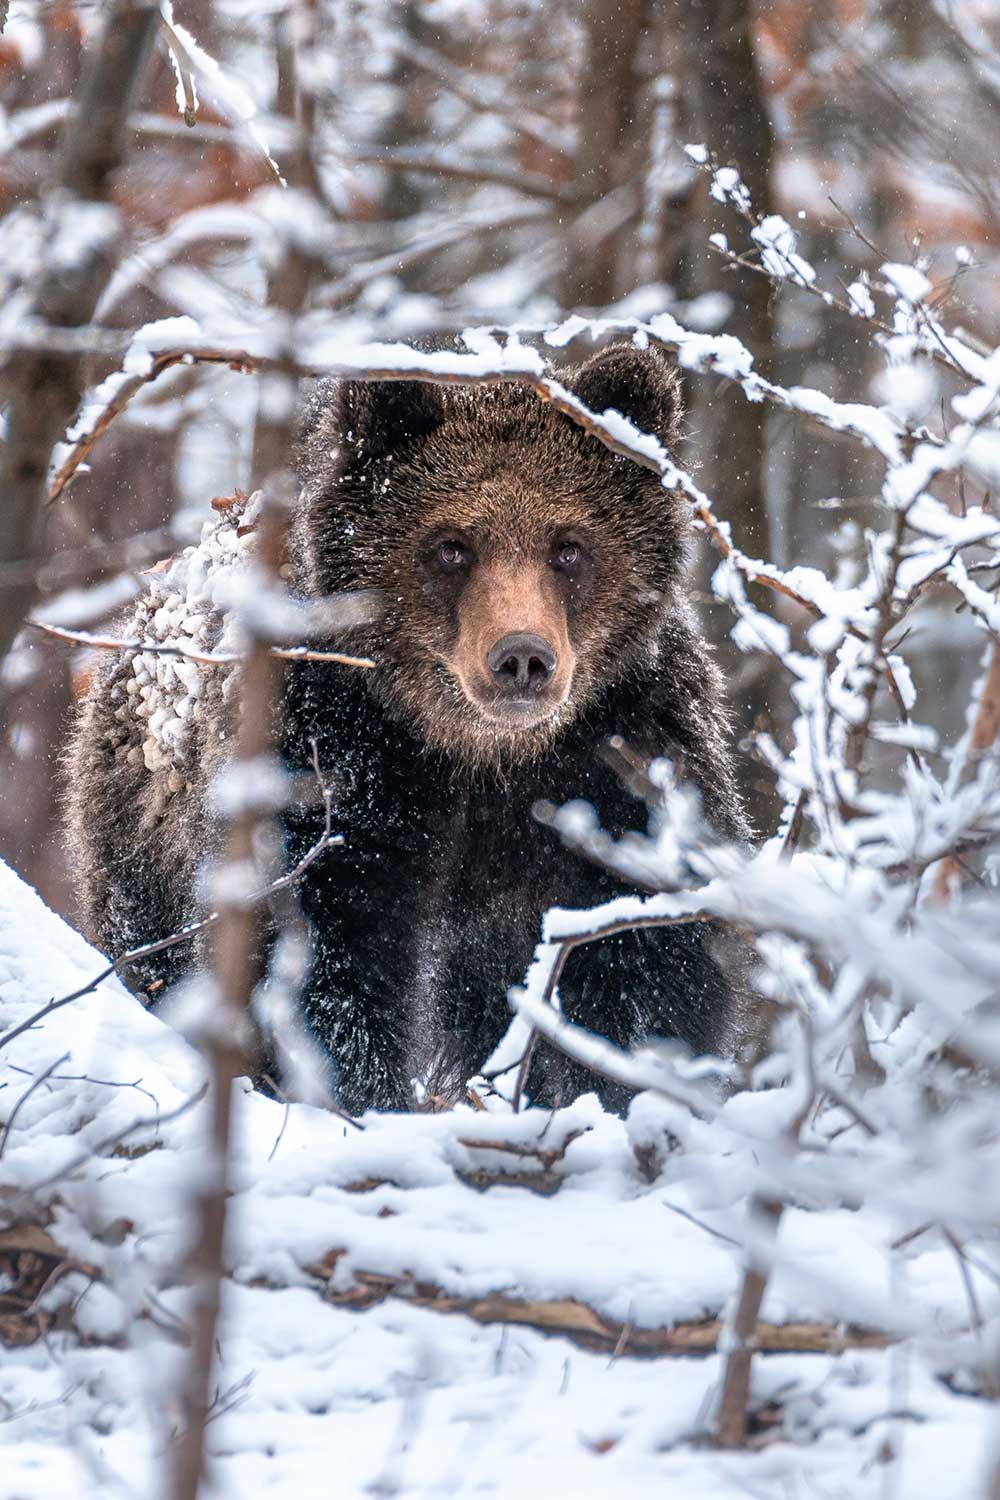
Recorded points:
(513,656)
(521,664)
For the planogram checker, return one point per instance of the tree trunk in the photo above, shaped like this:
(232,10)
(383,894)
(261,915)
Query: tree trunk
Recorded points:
(607,101)
(728,115)
(46,386)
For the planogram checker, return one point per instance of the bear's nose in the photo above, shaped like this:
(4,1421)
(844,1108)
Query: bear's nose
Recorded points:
(521,663)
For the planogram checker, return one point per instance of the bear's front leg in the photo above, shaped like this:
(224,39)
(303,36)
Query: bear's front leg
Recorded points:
(362,999)
(629,988)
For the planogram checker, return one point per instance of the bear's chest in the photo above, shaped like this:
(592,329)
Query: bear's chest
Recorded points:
(495,872)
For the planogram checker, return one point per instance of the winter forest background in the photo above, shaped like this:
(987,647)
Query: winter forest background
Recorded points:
(786,1286)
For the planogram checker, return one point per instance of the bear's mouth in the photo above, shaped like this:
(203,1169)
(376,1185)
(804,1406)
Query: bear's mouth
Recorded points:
(512,709)
(517,713)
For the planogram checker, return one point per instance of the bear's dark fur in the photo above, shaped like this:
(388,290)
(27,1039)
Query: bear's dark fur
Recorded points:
(473,510)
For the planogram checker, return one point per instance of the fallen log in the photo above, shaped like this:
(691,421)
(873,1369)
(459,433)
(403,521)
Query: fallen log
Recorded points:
(584,1326)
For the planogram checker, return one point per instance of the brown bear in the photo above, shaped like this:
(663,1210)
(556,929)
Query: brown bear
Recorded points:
(534,606)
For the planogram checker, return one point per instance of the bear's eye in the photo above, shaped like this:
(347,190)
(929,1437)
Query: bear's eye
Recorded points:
(566,555)
(452,555)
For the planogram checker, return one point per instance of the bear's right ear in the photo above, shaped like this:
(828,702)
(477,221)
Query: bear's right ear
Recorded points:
(380,415)
(642,384)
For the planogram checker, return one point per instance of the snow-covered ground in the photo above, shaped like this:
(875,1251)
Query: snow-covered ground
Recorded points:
(346,1368)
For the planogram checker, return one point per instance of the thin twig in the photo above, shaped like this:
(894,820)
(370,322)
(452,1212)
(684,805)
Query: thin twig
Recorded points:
(26,1096)
(190,653)
(153,1122)
(182,935)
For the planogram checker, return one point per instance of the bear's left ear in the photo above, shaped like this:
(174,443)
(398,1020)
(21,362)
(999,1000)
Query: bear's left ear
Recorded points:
(642,384)
(380,415)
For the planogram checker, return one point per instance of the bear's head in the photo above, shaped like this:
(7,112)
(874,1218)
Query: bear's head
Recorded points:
(524,566)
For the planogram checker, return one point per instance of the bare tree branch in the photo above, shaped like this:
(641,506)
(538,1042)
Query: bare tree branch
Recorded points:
(327,840)
(189,653)
(35,1084)
(743,1336)
(250,834)
(982,736)
(547,389)
(449,164)
(237,968)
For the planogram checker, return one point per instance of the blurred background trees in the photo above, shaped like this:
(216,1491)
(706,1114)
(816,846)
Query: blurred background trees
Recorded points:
(501,162)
